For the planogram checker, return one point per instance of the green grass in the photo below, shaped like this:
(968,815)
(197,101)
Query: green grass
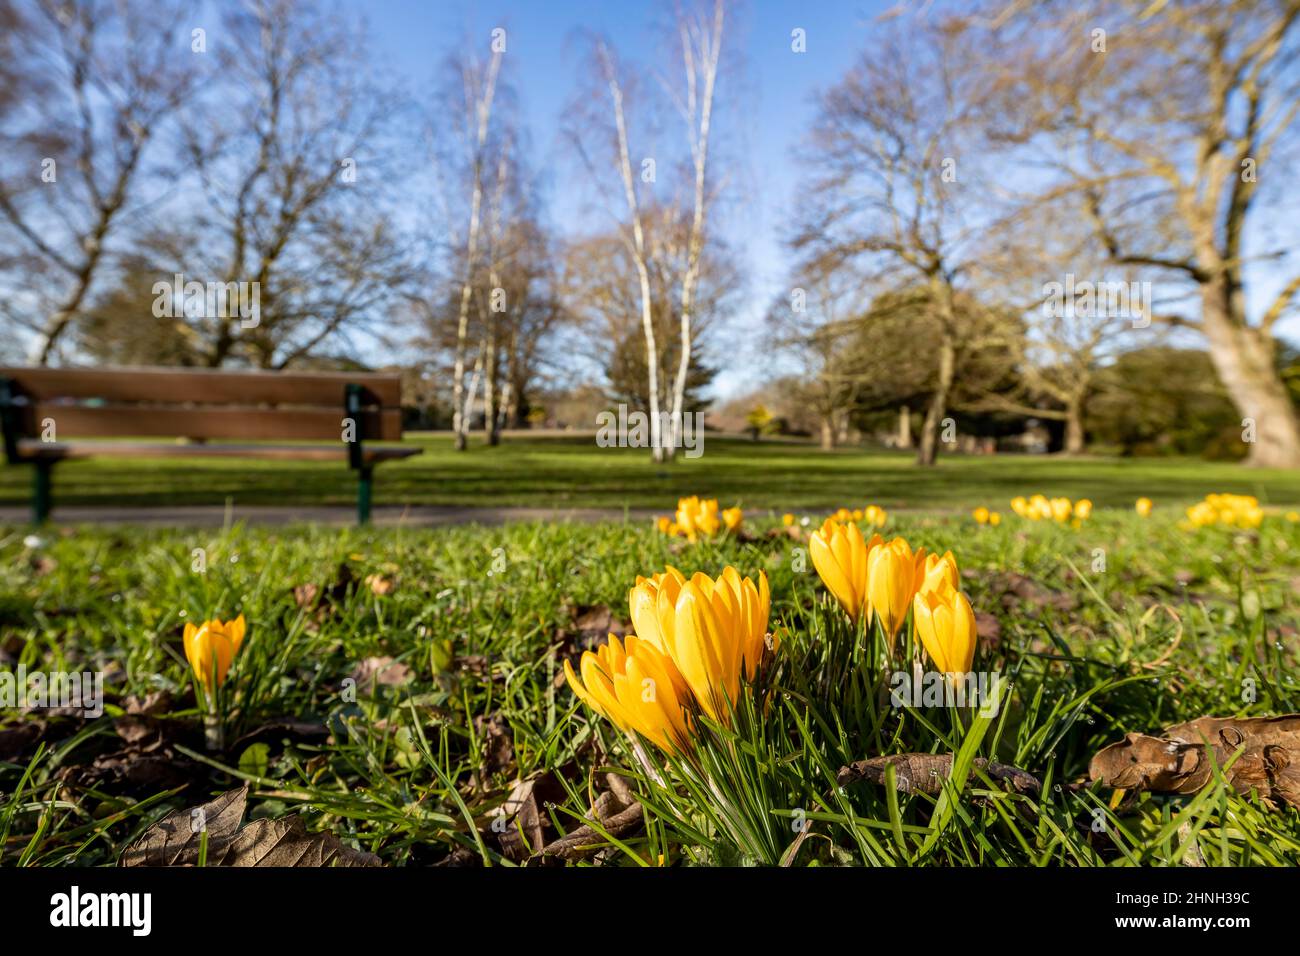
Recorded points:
(1170,630)
(573,472)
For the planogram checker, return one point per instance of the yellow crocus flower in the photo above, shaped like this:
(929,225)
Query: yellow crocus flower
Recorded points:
(939,573)
(839,553)
(698,517)
(945,623)
(649,600)
(1083,509)
(1143,507)
(893,571)
(732,517)
(1239,511)
(635,687)
(211,647)
(713,631)
(981,515)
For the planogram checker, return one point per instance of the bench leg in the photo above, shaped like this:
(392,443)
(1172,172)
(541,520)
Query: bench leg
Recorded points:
(41,491)
(365,482)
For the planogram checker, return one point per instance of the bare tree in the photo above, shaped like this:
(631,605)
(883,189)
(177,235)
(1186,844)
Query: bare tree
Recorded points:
(634,237)
(700,44)
(817,333)
(898,148)
(602,294)
(479,86)
(108,79)
(1180,117)
(1071,331)
(295,186)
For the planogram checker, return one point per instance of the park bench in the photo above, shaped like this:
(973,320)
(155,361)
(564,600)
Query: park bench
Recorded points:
(48,412)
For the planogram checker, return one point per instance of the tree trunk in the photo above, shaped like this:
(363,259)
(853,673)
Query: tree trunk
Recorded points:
(828,433)
(491,428)
(928,450)
(43,349)
(904,427)
(1074,438)
(652,365)
(466,410)
(1243,357)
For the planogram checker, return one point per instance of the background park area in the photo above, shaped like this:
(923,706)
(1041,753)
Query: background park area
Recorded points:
(562,473)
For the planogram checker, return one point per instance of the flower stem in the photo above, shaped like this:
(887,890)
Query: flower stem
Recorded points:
(214,735)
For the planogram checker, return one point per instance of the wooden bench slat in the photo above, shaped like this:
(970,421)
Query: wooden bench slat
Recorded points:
(32,449)
(201,386)
(253,424)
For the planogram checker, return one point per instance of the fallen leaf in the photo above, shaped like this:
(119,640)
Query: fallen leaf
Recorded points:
(1258,755)
(988,628)
(379,584)
(151,705)
(274,731)
(175,840)
(323,601)
(616,810)
(925,773)
(460,857)
(381,671)
(521,830)
(1018,589)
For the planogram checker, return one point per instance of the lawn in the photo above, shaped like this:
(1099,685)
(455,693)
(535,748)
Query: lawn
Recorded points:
(402,689)
(574,472)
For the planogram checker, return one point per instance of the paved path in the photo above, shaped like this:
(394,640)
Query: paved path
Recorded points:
(415,516)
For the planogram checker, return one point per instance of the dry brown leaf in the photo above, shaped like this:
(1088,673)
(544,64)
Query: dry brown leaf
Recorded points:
(1019,590)
(322,601)
(379,584)
(925,773)
(175,840)
(989,629)
(616,810)
(279,729)
(498,744)
(380,671)
(523,822)
(1258,755)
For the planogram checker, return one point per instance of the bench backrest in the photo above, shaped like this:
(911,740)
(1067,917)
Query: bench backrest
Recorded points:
(202,403)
